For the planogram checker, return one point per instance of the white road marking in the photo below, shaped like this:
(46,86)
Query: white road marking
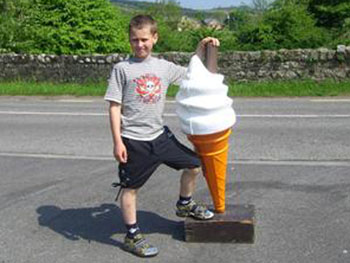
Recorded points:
(330,100)
(53,113)
(337,163)
(75,100)
(174,115)
(281,115)
(57,156)
(293,162)
(294,116)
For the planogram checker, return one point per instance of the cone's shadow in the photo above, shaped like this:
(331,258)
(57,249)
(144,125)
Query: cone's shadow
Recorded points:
(100,223)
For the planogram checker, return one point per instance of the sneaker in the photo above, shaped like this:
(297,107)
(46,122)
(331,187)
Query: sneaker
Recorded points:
(194,209)
(139,246)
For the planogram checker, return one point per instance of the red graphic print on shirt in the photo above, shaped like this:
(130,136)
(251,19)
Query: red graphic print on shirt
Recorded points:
(148,88)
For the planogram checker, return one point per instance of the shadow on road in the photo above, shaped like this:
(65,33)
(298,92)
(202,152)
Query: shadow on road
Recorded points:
(101,223)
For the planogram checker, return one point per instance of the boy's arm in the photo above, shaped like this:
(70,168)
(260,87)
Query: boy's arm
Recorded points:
(200,51)
(119,148)
(177,73)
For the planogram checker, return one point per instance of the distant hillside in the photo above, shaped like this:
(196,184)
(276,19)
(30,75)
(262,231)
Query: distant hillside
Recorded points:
(220,14)
(139,6)
(228,9)
(135,5)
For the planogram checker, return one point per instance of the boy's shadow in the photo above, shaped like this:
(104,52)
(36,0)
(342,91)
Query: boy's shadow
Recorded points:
(101,223)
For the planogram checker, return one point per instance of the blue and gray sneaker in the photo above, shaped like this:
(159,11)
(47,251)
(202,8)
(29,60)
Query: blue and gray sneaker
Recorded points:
(139,246)
(195,210)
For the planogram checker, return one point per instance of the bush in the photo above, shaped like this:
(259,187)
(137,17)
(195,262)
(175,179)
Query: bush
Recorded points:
(97,26)
(286,25)
(71,27)
(330,14)
(228,40)
(172,40)
(187,41)
(11,14)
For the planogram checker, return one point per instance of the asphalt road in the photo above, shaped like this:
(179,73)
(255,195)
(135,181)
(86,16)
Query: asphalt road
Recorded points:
(290,158)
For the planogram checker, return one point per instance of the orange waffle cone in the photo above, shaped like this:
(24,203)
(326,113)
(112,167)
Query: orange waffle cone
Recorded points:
(213,150)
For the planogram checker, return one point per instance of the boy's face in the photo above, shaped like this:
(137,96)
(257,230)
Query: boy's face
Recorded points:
(142,41)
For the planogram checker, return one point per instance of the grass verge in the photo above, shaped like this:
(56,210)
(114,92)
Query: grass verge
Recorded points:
(290,89)
(251,89)
(51,89)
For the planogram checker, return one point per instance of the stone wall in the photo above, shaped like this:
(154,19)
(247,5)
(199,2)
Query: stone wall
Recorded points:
(317,64)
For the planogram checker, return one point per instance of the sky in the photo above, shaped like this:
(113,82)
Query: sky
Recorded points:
(208,4)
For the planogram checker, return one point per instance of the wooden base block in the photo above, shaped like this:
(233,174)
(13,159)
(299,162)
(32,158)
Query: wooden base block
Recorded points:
(235,225)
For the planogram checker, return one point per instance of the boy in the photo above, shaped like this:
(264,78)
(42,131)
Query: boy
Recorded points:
(136,92)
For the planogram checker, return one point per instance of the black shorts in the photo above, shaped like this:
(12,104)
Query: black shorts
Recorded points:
(145,156)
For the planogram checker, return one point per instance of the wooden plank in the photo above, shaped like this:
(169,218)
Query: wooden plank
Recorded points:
(235,225)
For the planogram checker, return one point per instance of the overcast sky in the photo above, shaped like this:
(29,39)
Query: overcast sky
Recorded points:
(207,4)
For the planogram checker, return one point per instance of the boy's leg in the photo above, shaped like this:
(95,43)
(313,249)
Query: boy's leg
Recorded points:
(176,155)
(133,174)
(128,205)
(186,206)
(134,241)
(188,181)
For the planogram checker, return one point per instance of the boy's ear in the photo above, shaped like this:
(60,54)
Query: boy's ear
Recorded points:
(155,38)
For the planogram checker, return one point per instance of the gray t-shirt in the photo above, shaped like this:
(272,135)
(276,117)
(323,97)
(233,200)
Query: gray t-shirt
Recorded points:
(140,87)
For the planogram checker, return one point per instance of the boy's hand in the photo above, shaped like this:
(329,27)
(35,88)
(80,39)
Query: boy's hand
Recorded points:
(120,153)
(203,44)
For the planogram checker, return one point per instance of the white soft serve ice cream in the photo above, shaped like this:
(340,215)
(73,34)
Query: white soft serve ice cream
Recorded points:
(202,102)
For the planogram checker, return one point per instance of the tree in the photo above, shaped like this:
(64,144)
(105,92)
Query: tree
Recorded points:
(333,15)
(237,18)
(330,13)
(261,5)
(287,24)
(168,11)
(71,27)
(11,18)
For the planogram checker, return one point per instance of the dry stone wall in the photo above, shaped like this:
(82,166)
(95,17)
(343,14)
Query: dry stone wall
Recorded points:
(317,64)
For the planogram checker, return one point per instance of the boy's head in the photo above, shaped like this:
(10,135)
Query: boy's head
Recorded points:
(142,35)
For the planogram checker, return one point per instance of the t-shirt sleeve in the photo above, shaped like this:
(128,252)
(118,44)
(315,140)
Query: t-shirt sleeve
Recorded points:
(176,73)
(116,82)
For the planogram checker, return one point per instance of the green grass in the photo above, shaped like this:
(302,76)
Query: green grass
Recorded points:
(251,89)
(51,89)
(290,89)
(299,88)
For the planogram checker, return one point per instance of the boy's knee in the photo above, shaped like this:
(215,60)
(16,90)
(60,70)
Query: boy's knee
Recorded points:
(194,171)
(129,192)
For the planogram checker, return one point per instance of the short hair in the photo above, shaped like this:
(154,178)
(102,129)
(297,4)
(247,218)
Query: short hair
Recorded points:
(141,21)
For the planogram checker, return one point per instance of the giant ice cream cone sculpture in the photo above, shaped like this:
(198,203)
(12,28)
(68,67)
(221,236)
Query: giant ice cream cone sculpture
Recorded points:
(206,116)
